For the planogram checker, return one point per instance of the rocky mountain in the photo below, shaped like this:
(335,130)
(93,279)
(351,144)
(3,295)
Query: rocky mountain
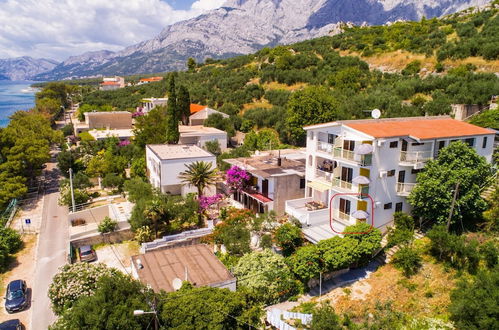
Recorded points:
(24,68)
(244,26)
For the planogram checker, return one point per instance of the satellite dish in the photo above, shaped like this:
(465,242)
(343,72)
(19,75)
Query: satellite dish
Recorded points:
(176,283)
(376,113)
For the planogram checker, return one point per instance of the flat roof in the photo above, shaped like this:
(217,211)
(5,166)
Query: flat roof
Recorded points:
(100,134)
(292,163)
(178,151)
(198,130)
(422,128)
(161,267)
(107,113)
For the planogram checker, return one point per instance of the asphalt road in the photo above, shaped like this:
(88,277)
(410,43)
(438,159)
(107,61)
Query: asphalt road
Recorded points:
(52,249)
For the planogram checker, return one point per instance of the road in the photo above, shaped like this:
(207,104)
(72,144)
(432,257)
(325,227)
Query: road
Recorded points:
(52,249)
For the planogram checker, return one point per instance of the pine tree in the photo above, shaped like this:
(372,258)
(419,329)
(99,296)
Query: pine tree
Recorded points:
(172,113)
(184,104)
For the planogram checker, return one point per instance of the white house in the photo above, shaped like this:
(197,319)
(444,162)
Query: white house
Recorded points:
(112,83)
(199,135)
(363,170)
(166,161)
(151,103)
(199,117)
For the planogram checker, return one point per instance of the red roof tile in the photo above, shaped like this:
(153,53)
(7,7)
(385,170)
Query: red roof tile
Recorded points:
(419,128)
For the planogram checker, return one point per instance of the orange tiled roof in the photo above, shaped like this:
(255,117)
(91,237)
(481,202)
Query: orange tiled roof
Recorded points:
(418,128)
(196,107)
(152,79)
(109,83)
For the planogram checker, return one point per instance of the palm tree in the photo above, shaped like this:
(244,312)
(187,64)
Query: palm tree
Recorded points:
(155,211)
(199,174)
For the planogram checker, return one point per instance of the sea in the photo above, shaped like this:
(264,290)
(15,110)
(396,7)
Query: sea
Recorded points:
(15,95)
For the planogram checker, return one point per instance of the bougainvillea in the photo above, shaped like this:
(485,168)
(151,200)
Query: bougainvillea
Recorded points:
(137,114)
(123,143)
(74,281)
(206,201)
(236,178)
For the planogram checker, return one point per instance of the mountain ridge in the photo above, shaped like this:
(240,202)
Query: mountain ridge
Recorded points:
(245,26)
(24,67)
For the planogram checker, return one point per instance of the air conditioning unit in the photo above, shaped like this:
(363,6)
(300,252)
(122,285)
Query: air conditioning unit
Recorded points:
(383,174)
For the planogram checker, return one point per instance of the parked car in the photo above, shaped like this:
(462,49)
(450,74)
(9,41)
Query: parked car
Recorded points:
(87,254)
(16,298)
(11,325)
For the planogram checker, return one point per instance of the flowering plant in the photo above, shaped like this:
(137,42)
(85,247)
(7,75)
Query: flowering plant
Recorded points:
(137,114)
(206,201)
(123,143)
(236,178)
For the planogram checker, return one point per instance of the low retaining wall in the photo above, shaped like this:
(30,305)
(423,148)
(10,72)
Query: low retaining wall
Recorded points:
(186,238)
(327,276)
(114,237)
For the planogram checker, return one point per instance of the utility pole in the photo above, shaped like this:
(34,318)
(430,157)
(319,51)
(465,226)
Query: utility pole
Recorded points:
(452,205)
(72,192)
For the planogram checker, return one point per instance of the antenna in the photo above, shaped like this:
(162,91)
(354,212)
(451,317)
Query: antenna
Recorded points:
(376,113)
(176,284)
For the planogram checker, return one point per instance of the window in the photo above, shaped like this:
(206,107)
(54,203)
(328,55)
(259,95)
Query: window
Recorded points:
(387,206)
(348,145)
(391,173)
(417,143)
(470,142)
(413,171)
(346,174)
(302,183)
(394,144)
(345,205)
(441,145)
(484,142)
(399,206)
(330,138)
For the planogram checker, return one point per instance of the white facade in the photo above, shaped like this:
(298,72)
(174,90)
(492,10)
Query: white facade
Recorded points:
(199,117)
(151,103)
(342,178)
(165,163)
(199,135)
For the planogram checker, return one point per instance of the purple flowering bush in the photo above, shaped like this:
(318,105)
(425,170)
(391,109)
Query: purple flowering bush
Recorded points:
(207,205)
(236,178)
(124,143)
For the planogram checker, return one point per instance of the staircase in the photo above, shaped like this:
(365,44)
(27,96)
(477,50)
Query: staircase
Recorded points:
(489,189)
(386,257)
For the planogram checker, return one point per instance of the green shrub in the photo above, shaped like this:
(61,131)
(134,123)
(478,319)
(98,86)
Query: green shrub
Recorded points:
(288,237)
(338,253)
(107,225)
(266,241)
(144,234)
(490,253)
(306,262)
(408,260)
(11,238)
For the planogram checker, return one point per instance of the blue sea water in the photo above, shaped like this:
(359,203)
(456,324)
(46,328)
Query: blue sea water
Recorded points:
(15,95)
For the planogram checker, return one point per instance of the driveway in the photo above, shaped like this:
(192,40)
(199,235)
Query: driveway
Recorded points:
(51,251)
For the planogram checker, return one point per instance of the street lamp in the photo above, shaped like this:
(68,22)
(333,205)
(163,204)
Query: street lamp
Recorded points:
(141,312)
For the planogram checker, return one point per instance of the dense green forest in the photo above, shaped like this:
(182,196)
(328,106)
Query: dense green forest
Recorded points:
(457,36)
(309,82)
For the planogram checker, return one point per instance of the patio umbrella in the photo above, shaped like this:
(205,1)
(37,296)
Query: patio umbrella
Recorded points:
(361,180)
(364,149)
(359,214)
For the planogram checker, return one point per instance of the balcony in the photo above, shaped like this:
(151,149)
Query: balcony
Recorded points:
(337,182)
(339,152)
(324,147)
(324,176)
(404,189)
(301,209)
(415,158)
(343,218)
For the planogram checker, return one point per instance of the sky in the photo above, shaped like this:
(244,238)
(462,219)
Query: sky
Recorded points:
(57,29)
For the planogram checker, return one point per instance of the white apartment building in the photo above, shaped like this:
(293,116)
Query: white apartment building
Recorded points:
(199,135)
(151,103)
(166,161)
(363,170)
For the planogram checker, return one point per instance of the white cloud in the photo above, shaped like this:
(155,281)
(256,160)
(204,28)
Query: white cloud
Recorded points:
(60,28)
(207,4)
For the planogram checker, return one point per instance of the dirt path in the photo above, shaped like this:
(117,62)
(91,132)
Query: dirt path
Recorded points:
(21,267)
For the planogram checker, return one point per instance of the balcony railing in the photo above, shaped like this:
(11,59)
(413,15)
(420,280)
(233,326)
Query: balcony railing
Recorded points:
(344,218)
(404,189)
(344,153)
(324,147)
(337,182)
(323,175)
(414,157)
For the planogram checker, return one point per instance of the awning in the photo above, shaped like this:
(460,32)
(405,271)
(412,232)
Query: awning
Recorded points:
(359,214)
(319,186)
(364,149)
(361,180)
(259,197)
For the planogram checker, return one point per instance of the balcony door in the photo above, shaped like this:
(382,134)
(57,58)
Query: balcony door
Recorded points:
(401,176)
(404,145)
(265,187)
(346,174)
(345,205)
(348,145)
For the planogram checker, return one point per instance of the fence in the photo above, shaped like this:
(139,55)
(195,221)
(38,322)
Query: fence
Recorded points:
(276,318)
(174,239)
(9,212)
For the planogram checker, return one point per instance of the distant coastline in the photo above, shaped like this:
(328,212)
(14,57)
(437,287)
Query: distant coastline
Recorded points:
(14,96)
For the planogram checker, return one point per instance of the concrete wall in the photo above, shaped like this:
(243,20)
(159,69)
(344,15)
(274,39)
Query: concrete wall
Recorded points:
(463,111)
(286,188)
(114,237)
(113,120)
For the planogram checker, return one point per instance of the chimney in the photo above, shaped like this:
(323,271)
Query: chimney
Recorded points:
(279,160)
